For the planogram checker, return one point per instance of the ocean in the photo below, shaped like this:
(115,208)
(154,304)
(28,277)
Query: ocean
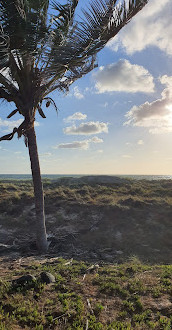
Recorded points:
(57,176)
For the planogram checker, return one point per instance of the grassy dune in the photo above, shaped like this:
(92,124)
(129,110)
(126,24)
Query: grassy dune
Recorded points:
(111,221)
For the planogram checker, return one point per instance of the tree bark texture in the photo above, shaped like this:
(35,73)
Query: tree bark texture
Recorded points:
(41,238)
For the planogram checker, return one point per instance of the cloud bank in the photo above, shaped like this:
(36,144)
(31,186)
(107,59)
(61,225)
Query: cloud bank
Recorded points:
(76,116)
(151,27)
(87,128)
(124,77)
(85,144)
(157,115)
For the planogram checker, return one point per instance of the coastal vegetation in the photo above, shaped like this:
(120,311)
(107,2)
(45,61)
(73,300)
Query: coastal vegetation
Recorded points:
(128,296)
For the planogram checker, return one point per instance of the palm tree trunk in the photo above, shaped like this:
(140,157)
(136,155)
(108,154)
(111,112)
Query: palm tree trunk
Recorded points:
(41,238)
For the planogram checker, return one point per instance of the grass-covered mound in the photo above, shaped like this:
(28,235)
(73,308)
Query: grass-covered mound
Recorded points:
(127,296)
(91,218)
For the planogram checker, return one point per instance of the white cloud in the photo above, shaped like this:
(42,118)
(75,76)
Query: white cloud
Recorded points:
(84,144)
(157,115)
(75,145)
(76,116)
(151,27)
(77,93)
(95,139)
(124,77)
(87,128)
(140,142)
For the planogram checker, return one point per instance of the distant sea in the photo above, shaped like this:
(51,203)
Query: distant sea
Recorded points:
(57,176)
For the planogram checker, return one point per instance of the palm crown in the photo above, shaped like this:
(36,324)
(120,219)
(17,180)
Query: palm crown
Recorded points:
(42,51)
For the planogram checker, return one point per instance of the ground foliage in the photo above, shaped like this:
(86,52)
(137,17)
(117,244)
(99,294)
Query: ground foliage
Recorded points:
(132,295)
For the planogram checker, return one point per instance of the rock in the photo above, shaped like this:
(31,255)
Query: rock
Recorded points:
(25,279)
(47,277)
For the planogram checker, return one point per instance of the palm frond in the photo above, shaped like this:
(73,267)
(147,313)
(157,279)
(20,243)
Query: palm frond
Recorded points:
(30,23)
(102,22)
(4,94)
(65,14)
(12,113)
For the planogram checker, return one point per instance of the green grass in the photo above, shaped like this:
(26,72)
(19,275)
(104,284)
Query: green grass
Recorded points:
(115,301)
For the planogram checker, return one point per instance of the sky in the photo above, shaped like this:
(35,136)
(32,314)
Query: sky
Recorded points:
(115,120)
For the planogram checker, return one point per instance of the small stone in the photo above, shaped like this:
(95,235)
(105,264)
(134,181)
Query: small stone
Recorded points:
(47,277)
(25,279)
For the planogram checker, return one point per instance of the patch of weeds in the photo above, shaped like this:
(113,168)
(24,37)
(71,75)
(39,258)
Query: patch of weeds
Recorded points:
(28,314)
(72,307)
(143,317)
(4,288)
(77,268)
(112,288)
(136,286)
(93,324)
(164,323)
(98,308)
(122,315)
(128,306)
(166,282)
(156,292)
(119,325)
(133,305)
(2,325)
(60,284)
(166,271)
(39,327)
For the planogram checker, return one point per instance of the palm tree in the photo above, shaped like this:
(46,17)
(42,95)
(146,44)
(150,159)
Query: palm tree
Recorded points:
(42,49)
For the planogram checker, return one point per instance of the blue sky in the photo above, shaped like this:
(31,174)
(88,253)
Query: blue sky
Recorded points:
(115,120)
